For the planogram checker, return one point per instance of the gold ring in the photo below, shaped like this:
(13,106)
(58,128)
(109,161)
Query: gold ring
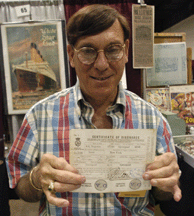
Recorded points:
(51,187)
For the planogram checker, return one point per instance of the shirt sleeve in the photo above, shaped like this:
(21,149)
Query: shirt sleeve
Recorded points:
(23,154)
(165,141)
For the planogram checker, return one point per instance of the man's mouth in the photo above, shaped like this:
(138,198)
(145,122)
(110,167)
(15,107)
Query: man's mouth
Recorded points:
(101,78)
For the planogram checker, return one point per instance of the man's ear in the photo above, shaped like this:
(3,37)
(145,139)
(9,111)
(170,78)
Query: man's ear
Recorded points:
(70,52)
(126,50)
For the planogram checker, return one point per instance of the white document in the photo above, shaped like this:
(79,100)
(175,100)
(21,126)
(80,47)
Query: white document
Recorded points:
(112,160)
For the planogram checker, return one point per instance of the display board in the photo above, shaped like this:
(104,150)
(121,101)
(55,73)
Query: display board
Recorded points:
(169,37)
(170,59)
(174,38)
(170,65)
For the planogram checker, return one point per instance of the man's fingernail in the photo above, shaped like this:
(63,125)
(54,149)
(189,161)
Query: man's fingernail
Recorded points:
(83,179)
(177,198)
(146,176)
(154,182)
(65,203)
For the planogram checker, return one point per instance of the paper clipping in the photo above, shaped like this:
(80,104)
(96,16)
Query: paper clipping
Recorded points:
(112,160)
(143,36)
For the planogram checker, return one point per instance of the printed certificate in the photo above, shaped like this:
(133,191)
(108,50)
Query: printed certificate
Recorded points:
(112,160)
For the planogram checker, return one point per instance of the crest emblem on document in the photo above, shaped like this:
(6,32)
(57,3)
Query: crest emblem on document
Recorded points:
(77,142)
(135,184)
(100,185)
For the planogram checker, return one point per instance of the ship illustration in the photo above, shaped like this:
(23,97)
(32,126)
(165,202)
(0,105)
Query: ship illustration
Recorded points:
(34,74)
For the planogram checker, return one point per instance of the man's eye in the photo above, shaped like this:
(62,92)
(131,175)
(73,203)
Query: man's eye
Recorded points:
(87,51)
(113,49)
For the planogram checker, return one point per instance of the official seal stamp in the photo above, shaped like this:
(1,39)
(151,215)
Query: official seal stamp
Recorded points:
(135,184)
(136,173)
(77,142)
(100,185)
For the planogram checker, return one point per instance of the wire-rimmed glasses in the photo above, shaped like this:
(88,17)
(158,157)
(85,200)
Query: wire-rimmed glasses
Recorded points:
(88,55)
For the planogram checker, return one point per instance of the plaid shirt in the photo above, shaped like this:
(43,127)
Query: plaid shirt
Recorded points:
(46,127)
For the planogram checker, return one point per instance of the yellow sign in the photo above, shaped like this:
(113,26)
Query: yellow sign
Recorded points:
(133,194)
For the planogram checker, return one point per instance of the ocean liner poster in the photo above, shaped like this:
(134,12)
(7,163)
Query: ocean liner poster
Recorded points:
(34,66)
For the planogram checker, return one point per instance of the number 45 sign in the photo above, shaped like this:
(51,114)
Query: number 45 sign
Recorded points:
(23,10)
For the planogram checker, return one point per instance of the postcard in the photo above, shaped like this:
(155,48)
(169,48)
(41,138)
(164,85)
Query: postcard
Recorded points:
(159,97)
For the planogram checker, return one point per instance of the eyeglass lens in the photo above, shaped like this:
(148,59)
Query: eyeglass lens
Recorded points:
(87,55)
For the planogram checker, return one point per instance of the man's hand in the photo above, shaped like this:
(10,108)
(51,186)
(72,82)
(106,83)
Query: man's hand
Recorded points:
(163,173)
(57,170)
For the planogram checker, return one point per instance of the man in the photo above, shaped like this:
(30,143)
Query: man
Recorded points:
(98,50)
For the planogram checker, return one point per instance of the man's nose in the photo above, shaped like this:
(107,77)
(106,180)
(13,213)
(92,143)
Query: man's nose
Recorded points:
(101,62)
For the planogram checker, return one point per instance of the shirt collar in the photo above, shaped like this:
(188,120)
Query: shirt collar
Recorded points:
(79,99)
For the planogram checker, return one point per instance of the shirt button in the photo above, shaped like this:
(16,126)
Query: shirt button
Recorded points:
(101,195)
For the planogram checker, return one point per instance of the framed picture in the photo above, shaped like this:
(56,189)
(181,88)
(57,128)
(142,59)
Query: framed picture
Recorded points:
(170,65)
(159,97)
(182,102)
(34,63)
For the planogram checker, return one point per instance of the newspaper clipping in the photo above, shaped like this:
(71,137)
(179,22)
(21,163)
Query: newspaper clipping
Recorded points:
(143,35)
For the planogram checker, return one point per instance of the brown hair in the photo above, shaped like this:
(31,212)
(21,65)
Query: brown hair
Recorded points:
(94,19)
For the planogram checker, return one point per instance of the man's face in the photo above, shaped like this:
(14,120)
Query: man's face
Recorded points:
(101,78)
(180,100)
(176,104)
